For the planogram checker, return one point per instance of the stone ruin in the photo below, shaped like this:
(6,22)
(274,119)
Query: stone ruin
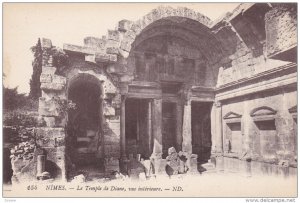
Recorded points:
(154,87)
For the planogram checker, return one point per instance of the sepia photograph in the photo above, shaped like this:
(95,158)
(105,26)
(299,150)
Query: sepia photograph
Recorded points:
(150,100)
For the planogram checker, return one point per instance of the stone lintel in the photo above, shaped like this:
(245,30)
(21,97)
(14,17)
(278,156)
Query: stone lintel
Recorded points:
(82,49)
(94,42)
(90,58)
(105,58)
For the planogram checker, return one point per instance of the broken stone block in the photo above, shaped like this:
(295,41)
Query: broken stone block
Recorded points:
(101,58)
(59,79)
(111,164)
(126,44)
(142,176)
(112,50)
(47,107)
(193,163)
(78,179)
(45,78)
(113,35)
(44,176)
(94,42)
(183,159)
(90,58)
(109,111)
(135,169)
(124,25)
(148,167)
(46,43)
(48,70)
(173,162)
(50,121)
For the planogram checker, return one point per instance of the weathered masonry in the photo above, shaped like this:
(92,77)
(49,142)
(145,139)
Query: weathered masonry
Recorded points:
(223,91)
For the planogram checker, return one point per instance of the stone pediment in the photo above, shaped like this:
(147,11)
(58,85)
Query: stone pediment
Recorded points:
(262,111)
(231,115)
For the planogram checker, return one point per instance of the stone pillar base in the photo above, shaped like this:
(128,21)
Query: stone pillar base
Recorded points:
(193,163)
(111,164)
(156,160)
(124,165)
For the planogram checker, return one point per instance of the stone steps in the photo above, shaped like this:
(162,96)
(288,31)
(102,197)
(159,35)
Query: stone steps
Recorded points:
(207,168)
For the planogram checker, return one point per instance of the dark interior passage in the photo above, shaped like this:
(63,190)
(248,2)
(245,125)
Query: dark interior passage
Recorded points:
(168,127)
(201,130)
(84,123)
(138,127)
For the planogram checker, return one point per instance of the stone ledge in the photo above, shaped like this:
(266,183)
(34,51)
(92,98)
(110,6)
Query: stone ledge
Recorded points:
(82,49)
(260,86)
(105,58)
(52,86)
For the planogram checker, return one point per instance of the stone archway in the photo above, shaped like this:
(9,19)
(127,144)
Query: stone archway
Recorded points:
(85,123)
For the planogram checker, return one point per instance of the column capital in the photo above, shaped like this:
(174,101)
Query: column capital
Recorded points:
(217,103)
(187,94)
(123,97)
(123,88)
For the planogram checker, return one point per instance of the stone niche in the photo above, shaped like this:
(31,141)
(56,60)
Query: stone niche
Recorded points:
(233,134)
(265,128)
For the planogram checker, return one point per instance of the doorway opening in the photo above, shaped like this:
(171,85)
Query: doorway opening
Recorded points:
(169,121)
(201,130)
(85,143)
(138,128)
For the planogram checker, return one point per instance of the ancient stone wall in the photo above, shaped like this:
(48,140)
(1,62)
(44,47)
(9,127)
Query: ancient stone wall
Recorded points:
(174,59)
(280,138)
(281,28)
(51,137)
(222,52)
(54,114)
(244,60)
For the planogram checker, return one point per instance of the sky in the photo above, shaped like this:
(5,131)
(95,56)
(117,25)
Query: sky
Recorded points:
(24,23)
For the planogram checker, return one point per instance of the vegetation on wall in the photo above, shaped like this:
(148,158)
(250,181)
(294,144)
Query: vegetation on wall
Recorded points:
(60,59)
(18,109)
(35,84)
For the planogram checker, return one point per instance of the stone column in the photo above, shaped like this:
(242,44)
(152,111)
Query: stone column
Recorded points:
(219,128)
(179,126)
(246,122)
(157,135)
(122,128)
(149,127)
(217,135)
(187,128)
(213,129)
(41,160)
(187,138)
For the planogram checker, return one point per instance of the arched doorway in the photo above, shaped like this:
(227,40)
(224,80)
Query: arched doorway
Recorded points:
(85,145)
(172,61)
